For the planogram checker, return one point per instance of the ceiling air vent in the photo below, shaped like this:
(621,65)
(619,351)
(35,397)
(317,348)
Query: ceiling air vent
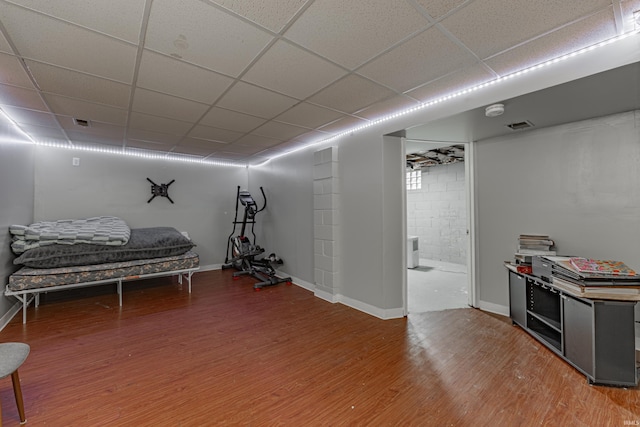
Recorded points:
(520,125)
(82,122)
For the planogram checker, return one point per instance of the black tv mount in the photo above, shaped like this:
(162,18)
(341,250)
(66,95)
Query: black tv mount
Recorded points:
(160,190)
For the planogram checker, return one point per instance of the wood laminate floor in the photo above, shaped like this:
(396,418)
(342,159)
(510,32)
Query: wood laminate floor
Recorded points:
(225,355)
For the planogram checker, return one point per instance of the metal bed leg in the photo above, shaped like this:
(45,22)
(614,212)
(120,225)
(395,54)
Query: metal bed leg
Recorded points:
(189,279)
(120,291)
(24,308)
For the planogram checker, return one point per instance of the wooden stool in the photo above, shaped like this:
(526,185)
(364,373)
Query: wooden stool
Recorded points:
(12,356)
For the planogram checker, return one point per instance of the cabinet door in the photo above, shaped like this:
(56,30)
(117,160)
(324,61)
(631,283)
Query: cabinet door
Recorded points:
(615,342)
(577,333)
(518,298)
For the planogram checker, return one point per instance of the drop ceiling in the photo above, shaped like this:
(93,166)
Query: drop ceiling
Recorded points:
(245,80)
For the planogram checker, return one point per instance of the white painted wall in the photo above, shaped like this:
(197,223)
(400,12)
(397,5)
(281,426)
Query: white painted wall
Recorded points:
(437,214)
(16,206)
(579,183)
(117,185)
(286,226)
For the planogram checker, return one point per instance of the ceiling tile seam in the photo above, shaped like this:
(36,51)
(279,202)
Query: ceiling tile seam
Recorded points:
(237,79)
(25,67)
(142,36)
(75,70)
(55,18)
(390,97)
(546,33)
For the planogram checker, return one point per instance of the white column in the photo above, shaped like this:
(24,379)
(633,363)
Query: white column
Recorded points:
(325,210)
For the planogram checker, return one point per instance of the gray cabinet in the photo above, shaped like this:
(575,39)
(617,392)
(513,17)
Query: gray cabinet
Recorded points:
(595,336)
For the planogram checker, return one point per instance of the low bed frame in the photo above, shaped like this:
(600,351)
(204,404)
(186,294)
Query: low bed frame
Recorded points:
(150,252)
(28,283)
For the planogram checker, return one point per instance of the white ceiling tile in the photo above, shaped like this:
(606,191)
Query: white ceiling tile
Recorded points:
(273,15)
(232,120)
(310,137)
(388,107)
(30,117)
(148,136)
(214,134)
(308,115)
(411,64)
(198,147)
(280,131)
(21,97)
(438,8)
(292,71)
(351,94)
(452,83)
(159,104)
(563,41)
(12,73)
(153,145)
(174,77)
(158,124)
(94,128)
(98,138)
(45,133)
(230,156)
(352,32)
(201,34)
(77,85)
(255,101)
(488,27)
(254,140)
(74,47)
(343,125)
(247,149)
(86,110)
(118,18)
(4,45)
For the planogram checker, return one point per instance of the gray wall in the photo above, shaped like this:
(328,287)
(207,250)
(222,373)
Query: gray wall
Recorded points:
(437,214)
(104,184)
(286,226)
(16,207)
(577,182)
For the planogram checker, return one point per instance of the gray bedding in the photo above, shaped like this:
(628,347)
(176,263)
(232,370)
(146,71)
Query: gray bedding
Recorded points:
(143,243)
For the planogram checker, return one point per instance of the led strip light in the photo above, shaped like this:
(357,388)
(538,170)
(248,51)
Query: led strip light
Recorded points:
(147,154)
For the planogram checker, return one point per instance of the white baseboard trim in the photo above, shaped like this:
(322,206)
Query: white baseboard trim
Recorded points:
(381,313)
(10,314)
(494,308)
(210,267)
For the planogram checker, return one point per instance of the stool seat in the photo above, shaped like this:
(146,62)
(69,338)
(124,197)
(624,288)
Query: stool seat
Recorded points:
(12,356)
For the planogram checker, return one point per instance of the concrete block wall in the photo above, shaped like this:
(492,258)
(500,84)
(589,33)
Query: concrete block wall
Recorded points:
(326,224)
(437,214)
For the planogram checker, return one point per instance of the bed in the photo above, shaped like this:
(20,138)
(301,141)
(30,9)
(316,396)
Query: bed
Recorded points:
(68,254)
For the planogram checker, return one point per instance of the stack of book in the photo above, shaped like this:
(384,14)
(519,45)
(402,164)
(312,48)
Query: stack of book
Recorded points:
(530,245)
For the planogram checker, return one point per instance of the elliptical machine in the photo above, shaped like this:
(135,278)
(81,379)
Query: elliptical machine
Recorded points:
(242,253)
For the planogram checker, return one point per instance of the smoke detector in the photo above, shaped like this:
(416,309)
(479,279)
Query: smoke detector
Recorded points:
(494,110)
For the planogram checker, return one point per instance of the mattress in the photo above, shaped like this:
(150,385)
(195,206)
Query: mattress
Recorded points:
(28,278)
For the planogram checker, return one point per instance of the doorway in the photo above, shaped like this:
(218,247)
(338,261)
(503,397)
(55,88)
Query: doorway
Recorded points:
(437,226)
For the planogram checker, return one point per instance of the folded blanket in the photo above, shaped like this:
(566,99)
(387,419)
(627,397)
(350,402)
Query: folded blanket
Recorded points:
(102,230)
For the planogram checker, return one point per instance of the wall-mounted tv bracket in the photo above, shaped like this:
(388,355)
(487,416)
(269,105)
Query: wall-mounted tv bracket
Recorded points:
(160,190)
